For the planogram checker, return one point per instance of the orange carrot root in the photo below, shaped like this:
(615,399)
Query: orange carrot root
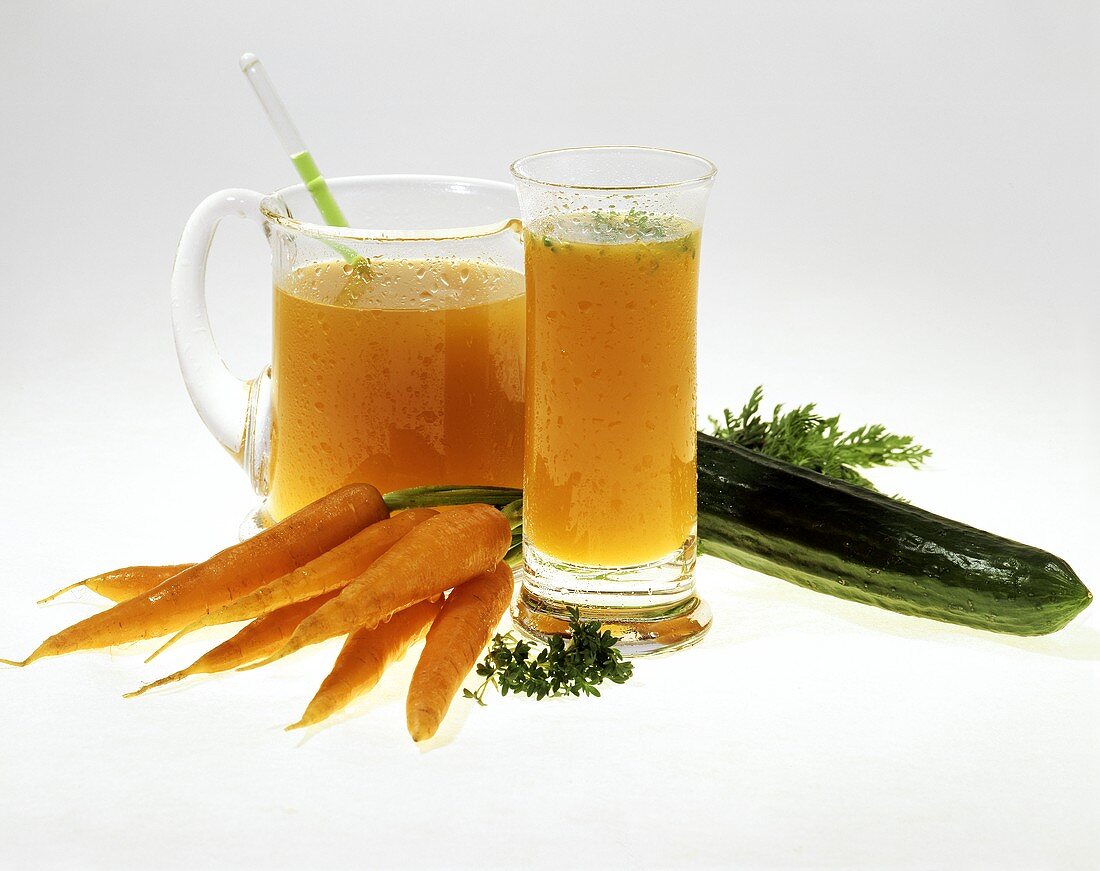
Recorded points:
(118,585)
(172,678)
(440,553)
(61,592)
(330,571)
(364,659)
(165,646)
(454,643)
(234,572)
(259,638)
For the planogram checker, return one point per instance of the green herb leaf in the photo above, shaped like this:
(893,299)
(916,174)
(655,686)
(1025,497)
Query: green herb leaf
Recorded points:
(558,669)
(805,438)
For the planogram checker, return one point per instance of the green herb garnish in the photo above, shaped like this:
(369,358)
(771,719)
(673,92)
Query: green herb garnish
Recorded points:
(803,437)
(589,658)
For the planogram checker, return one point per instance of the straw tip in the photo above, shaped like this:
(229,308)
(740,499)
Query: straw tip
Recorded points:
(247,60)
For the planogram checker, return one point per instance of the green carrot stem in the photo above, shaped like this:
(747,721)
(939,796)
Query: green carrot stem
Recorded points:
(430,497)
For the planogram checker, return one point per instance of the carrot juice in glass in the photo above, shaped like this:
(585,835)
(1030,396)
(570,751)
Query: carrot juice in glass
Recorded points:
(612,240)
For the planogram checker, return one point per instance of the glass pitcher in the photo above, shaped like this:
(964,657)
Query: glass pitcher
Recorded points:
(397,351)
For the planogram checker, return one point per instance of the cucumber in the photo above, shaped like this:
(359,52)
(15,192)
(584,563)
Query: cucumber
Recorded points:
(856,544)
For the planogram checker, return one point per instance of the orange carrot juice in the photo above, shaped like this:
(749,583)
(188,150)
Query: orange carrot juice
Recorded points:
(610,444)
(406,373)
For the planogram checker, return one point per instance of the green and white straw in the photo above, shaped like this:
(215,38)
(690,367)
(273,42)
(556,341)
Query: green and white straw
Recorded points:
(291,140)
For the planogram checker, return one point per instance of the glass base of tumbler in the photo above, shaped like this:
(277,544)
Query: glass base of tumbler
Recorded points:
(651,608)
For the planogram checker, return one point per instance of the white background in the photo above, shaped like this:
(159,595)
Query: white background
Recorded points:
(904,229)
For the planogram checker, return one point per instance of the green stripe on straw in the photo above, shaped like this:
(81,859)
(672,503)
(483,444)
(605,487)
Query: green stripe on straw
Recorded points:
(299,155)
(318,188)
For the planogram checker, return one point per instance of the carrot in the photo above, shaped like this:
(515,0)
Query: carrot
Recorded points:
(118,585)
(330,571)
(459,544)
(238,570)
(256,640)
(364,658)
(454,643)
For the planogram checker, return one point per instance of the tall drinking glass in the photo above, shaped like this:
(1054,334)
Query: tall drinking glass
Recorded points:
(611,239)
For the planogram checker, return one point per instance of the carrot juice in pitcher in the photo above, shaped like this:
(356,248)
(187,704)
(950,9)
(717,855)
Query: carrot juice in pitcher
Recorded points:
(397,373)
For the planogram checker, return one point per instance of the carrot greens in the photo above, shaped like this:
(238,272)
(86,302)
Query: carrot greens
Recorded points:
(805,438)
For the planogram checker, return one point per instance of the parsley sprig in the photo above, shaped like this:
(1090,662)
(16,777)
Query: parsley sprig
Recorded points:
(560,668)
(805,438)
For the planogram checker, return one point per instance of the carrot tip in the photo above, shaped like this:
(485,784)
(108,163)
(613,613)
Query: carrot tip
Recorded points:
(287,649)
(261,662)
(172,678)
(419,728)
(60,592)
(17,663)
(165,646)
(301,724)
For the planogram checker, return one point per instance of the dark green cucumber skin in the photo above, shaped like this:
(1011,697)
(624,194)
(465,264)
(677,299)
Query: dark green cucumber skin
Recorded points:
(850,542)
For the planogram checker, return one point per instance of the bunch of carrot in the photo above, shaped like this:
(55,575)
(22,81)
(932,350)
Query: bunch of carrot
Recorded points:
(341,566)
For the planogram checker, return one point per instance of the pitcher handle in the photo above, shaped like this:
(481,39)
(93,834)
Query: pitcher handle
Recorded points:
(236,412)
